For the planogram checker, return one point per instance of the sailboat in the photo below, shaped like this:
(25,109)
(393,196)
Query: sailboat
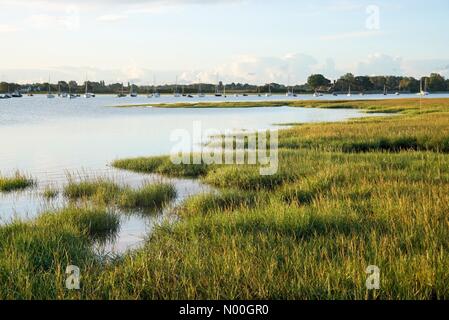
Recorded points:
(122,93)
(349,91)
(60,93)
(88,94)
(176,93)
(317,94)
(49,94)
(183,92)
(217,93)
(421,91)
(269,91)
(156,93)
(399,91)
(385,90)
(132,94)
(71,95)
(289,93)
(200,93)
(16,94)
(8,95)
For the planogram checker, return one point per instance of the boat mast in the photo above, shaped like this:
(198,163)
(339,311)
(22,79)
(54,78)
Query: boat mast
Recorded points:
(216,86)
(176,85)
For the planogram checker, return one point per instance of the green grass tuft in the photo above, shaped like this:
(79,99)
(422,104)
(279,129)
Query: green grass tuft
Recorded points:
(102,190)
(149,196)
(225,200)
(161,165)
(98,223)
(50,193)
(17,182)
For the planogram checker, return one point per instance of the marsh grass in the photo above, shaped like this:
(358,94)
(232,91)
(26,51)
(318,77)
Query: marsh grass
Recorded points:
(246,178)
(98,223)
(107,192)
(225,200)
(34,254)
(148,197)
(309,232)
(101,189)
(50,193)
(161,165)
(358,209)
(18,181)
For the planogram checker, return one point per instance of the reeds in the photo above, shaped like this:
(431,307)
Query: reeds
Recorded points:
(309,232)
(18,181)
(106,192)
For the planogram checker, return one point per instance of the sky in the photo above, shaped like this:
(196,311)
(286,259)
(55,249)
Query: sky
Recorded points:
(255,41)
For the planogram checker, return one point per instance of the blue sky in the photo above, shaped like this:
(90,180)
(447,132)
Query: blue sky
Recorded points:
(241,40)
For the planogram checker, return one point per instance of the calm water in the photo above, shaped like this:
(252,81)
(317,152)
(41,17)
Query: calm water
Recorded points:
(52,138)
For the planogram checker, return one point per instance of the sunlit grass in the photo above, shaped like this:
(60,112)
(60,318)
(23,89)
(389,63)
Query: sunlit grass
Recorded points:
(97,222)
(103,190)
(107,192)
(149,196)
(346,196)
(18,181)
(161,165)
(222,201)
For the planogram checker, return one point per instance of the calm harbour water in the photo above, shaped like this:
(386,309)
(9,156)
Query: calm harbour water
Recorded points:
(52,138)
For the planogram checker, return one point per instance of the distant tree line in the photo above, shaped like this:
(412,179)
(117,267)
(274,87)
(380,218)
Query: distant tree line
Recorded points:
(316,82)
(374,84)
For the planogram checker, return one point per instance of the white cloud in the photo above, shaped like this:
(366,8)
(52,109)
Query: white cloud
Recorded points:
(261,70)
(380,64)
(424,67)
